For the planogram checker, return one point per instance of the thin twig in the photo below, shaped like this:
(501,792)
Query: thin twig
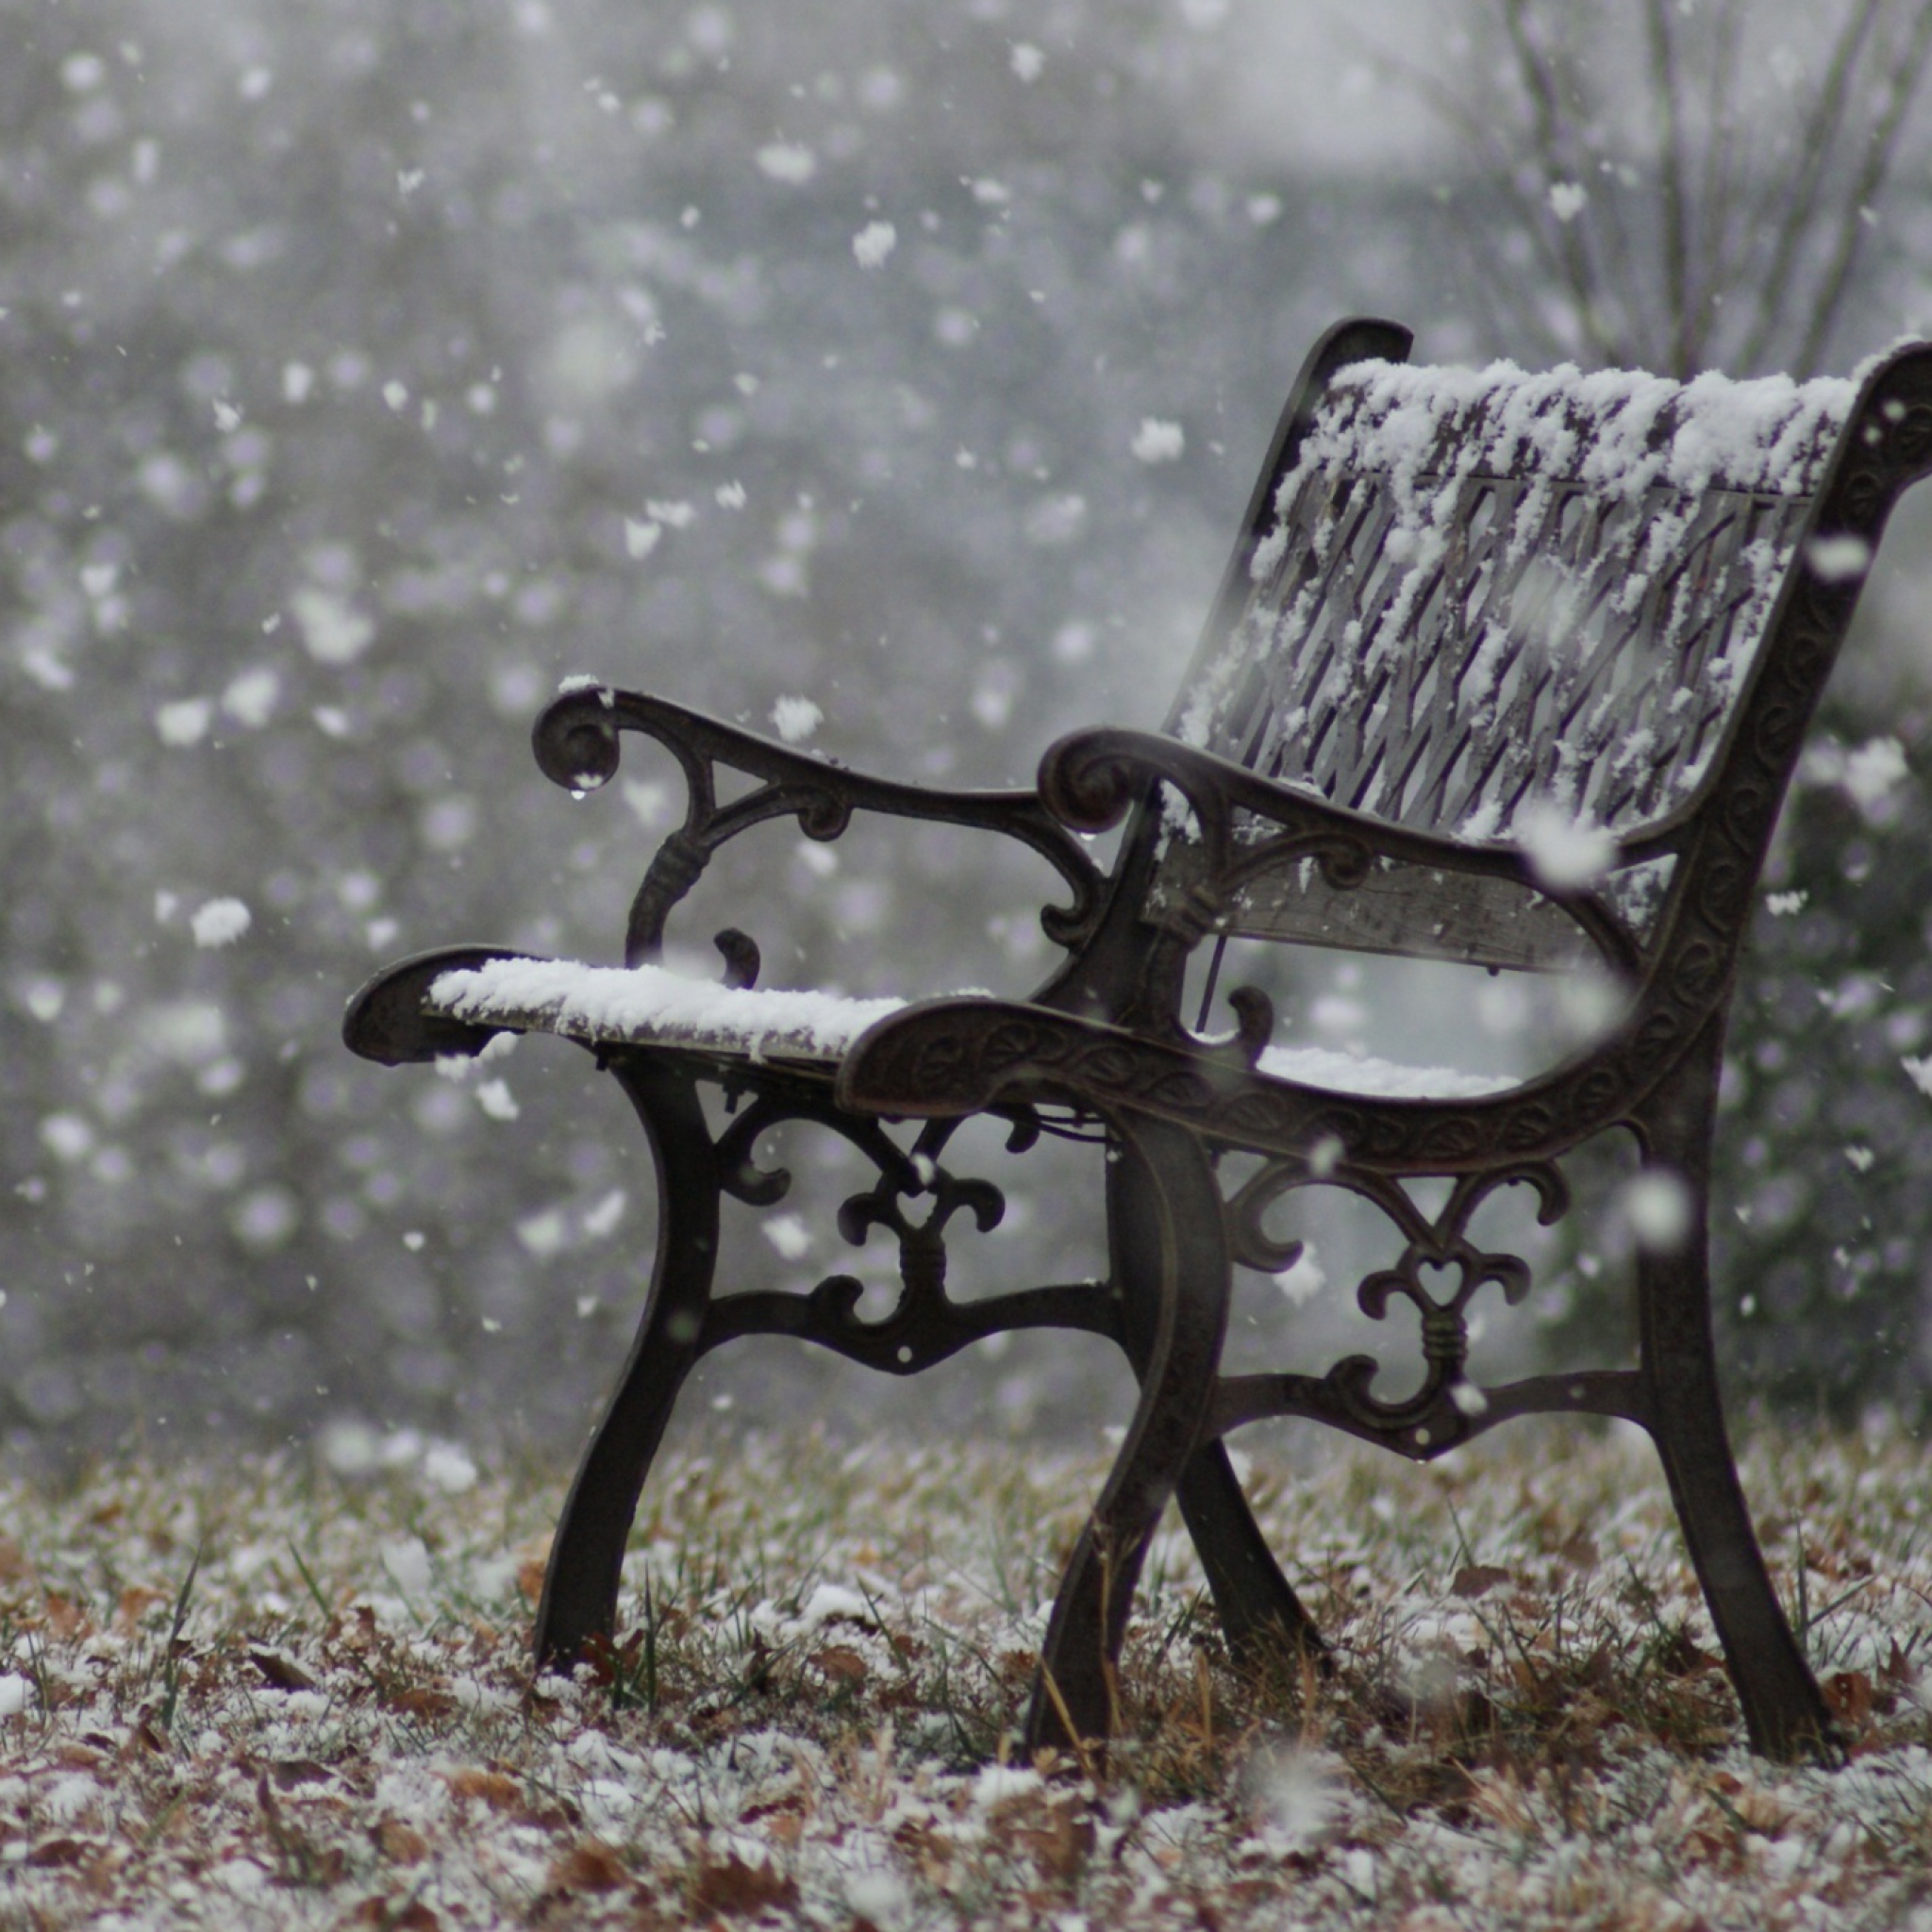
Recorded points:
(1789,203)
(1903,77)
(1667,79)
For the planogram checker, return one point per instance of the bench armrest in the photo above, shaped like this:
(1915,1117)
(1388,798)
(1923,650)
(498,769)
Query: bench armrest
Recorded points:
(576,743)
(1090,779)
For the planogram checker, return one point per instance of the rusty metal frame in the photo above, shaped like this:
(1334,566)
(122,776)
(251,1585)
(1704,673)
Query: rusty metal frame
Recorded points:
(1101,1044)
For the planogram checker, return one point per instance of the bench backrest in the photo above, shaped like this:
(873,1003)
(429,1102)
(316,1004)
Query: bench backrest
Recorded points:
(1467,594)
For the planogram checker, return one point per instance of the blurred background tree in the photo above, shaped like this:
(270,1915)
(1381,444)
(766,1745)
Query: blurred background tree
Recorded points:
(1682,184)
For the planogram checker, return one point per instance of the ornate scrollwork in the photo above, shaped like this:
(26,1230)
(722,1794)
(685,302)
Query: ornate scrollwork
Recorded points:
(924,1325)
(576,744)
(1440,1243)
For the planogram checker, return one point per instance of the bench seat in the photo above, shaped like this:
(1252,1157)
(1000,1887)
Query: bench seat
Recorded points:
(808,1031)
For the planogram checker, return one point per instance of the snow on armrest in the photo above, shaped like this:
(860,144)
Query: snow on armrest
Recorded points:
(650,1005)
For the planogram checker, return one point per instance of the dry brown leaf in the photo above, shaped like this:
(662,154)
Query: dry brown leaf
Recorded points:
(782,1820)
(736,1887)
(64,1616)
(413,1916)
(1680,1658)
(839,1662)
(402,1844)
(136,1601)
(1579,1552)
(420,1700)
(930,1850)
(492,1788)
(278,1672)
(1762,1813)
(590,1865)
(1850,1695)
(1473,1579)
(62,1854)
(1060,1845)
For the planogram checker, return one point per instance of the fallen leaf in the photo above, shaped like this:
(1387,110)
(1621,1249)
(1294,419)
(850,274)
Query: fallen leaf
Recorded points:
(1060,1846)
(61,1853)
(401,1843)
(419,1699)
(413,1916)
(839,1662)
(492,1788)
(1473,1579)
(1579,1552)
(590,1865)
(135,1602)
(736,1887)
(1680,1658)
(66,1616)
(1849,1693)
(278,1672)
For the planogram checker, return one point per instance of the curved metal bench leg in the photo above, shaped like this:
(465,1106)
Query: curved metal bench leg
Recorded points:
(1172,1255)
(1785,1713)
(587,1556)
(1261,1617)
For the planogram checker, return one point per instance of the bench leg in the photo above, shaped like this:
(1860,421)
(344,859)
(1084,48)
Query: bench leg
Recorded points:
(1172,1254)
(1785,1714)
(587,1556)
(1262,1618)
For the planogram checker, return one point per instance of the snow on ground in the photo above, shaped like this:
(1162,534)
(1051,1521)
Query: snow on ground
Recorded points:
(277,1694)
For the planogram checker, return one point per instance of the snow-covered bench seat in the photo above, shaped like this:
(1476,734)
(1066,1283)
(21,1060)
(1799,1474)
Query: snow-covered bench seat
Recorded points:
(807,1031)
(1509,669)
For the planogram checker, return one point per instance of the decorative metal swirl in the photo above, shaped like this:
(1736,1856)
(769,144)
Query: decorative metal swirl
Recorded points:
(1234,826)
(576,743)
(1441,1242)
(924,1325)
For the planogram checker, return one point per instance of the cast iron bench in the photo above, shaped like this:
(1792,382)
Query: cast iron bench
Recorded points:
(1465,607)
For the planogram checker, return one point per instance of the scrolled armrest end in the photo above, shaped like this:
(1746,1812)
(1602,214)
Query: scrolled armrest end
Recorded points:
(387,1021)
(1091,780)
(574,738)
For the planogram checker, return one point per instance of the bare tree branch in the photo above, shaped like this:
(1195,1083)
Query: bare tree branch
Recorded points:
(1903,77)
(1666,77)
(1550,149)
(1788,207)
(1724,237)
(1737,225)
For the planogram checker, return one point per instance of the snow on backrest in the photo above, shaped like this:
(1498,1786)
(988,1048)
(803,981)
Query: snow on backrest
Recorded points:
(1487,587)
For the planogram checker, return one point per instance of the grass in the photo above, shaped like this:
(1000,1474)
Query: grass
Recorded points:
(266,1694)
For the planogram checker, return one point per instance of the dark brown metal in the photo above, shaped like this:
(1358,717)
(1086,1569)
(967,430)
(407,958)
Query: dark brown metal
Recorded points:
(1167,1237)
(576,742)
(1251,830)
(1785,1713)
